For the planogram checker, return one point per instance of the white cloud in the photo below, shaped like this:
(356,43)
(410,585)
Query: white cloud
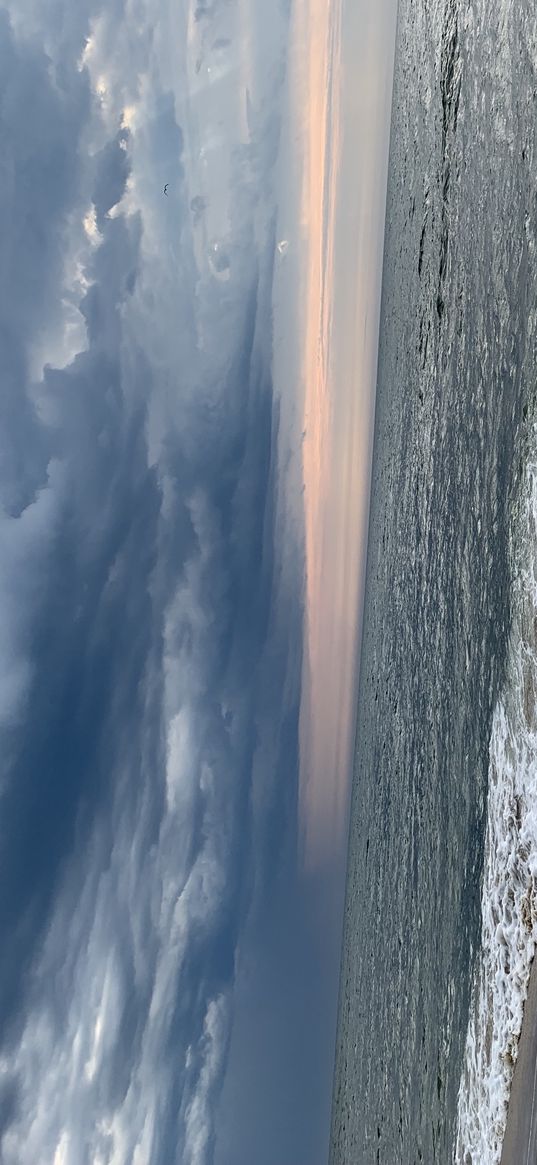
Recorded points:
(199,1116)
(65,1109)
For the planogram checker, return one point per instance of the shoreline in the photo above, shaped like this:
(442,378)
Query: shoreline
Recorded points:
(520,1139)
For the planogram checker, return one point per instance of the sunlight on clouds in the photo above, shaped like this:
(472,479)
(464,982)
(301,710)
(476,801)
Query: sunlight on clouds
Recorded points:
(87,53)
(142,1152)
(101,86)
(93,1062)
(61,1156)
(128,117)
(90,226)
(113,86)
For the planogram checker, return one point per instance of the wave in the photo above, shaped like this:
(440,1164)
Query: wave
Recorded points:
(509,894)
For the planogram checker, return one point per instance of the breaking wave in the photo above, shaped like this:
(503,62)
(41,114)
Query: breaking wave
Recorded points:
(509,895)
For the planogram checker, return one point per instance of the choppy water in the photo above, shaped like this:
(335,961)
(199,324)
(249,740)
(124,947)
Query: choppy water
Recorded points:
(433,974)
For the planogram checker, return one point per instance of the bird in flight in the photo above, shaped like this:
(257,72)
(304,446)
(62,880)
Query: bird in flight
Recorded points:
(166,189)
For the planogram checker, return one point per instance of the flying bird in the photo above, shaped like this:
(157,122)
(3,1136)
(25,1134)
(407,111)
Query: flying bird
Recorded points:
(166,189)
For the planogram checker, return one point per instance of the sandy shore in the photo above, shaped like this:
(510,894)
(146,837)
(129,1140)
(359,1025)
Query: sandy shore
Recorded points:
(520,1142)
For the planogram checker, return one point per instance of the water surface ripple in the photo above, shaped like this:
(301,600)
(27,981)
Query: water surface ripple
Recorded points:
(456,369)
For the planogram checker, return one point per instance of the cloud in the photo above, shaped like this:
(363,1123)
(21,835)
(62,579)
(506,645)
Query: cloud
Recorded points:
(151,638)
(113,168)
(40,134)
(199,1114)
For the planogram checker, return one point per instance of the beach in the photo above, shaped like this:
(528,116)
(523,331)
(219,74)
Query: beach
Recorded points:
(520,1141)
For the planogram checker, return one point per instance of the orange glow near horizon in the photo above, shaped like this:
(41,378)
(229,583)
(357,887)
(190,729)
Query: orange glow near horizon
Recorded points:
(321,736)
(338,365)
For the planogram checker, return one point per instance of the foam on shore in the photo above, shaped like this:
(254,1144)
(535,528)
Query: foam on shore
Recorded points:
(509,895)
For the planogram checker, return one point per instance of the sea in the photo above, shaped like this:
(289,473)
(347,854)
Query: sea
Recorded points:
(441,898)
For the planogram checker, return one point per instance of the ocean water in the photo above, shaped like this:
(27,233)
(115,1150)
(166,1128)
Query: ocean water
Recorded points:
(440,915)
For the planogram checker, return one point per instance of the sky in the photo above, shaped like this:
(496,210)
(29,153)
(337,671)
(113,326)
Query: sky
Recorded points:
(185,439)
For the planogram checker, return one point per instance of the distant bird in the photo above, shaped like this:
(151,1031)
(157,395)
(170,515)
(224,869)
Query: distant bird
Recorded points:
(166,189)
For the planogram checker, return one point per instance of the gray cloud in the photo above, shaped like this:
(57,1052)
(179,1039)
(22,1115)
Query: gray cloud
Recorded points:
(113,169)
(151,643)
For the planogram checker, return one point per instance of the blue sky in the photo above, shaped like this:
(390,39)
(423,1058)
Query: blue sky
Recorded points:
(151,910)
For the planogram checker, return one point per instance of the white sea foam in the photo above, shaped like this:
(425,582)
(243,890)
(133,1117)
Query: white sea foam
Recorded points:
(509,897)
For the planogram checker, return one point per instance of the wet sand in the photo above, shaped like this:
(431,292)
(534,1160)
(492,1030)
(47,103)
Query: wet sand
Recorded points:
(520,1141)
